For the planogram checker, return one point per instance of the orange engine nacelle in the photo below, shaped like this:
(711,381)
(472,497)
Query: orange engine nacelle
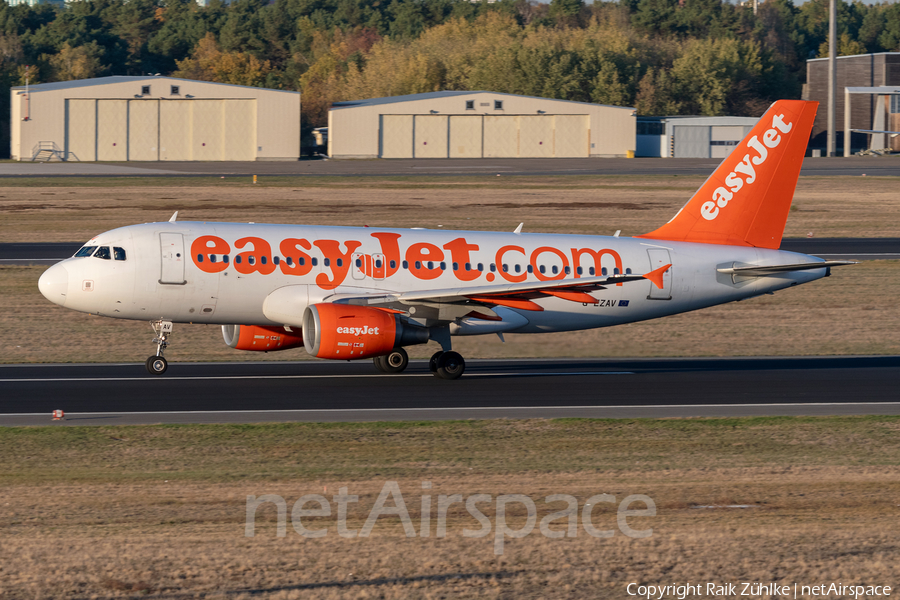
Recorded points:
(260,339)
(347,332)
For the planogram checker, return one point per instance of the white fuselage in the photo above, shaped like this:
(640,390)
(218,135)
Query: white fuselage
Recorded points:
(162,276)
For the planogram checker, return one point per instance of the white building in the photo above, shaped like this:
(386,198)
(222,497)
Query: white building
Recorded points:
(691,137)
(478,125)
(153,118)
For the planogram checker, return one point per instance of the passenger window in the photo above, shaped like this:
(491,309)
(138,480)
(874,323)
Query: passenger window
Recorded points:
(301,261)
(616,271)
(443,266)
(418,264)
(505,268)
(530,269)
(542,269)
(315,261)
(518,268)
(377,263)
(262,260)
(85,251)
(456,266)
(340,262)
(119,253)
(628,271)
(102,252)
(251,260)
(430,265)
(212,258)
(393,264)
(481,267)
(359,263)
(290,261)
(602,271)
(580,270)
(468,267)
(566,269)
(199,258)
(405,264)
(493,267)
(237,259)
(554,270)
(225,258)
(276,260)
(327,262)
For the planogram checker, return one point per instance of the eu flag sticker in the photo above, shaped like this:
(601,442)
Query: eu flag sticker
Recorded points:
(623,302)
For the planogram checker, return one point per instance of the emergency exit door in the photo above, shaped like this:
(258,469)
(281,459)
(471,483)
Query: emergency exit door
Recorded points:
(171,246)
(659,257)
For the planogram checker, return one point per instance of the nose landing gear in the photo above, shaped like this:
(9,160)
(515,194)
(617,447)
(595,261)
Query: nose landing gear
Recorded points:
(157,364)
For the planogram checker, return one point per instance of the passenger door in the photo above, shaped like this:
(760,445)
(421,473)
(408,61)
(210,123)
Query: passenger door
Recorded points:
(171,246)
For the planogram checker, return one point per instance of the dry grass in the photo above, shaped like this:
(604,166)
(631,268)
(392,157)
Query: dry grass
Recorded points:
(133,511)
(73,210)
(852,312)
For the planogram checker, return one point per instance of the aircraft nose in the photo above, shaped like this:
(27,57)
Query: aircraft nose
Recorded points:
(54,284)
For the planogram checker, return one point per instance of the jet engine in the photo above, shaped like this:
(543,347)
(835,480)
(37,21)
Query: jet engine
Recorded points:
(347,332)
(260,339)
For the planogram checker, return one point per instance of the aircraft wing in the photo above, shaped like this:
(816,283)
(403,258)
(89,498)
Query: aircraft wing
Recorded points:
(453,303)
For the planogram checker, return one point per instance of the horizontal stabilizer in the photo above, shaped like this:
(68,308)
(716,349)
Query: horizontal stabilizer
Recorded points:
(892,133)
(761,271)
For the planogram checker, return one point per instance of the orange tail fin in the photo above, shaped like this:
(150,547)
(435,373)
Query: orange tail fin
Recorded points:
(745,202)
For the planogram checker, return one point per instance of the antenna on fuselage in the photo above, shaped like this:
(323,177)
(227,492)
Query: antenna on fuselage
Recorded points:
(174,216)
(519,228)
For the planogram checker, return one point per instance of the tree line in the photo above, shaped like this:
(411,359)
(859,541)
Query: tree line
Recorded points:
(702,57)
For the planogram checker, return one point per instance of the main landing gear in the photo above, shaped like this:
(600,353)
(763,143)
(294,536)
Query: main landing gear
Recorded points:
(395,362)
(447,365)
(444,365)
(157,365)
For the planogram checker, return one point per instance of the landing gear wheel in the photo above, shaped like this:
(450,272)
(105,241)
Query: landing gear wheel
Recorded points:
(450,365)
(396,361)
(432,364)
(157,365)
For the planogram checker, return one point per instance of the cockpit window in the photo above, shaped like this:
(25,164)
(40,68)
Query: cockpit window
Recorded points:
(86,251)
(102,252)
(119,253)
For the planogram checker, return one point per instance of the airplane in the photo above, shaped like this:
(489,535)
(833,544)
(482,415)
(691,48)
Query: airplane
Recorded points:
(350,293)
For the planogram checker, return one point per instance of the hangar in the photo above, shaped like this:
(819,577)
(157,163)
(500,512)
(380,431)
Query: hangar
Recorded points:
(461,124)
(691,137)
(152,118)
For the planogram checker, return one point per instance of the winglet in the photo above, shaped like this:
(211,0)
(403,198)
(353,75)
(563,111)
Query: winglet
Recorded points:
(173,217)
(656,276)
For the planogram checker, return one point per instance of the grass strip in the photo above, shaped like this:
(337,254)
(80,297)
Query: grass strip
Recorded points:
(285,451)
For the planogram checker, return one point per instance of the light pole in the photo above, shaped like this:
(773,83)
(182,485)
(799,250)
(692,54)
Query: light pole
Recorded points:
(832,72)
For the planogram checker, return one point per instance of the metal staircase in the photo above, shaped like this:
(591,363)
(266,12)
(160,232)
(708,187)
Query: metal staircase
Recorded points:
(46,151)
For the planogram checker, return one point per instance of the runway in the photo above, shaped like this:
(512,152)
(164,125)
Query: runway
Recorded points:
(852,166)
(331,391)
(828,248)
